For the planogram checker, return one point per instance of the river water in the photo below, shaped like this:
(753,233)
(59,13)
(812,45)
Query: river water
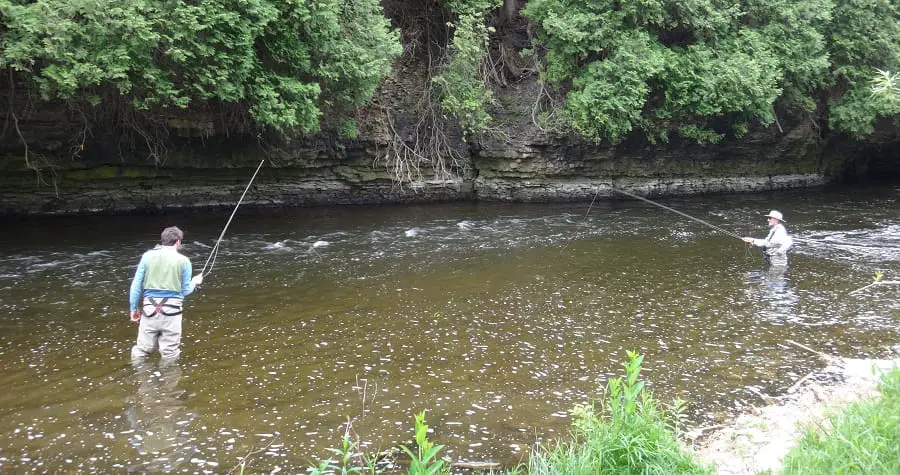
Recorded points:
(495,318)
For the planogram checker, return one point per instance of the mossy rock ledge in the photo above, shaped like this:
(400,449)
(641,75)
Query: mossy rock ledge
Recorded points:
(527,166)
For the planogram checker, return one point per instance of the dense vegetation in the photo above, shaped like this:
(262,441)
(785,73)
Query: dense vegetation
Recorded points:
(285,63)
(706,67)
(702,69)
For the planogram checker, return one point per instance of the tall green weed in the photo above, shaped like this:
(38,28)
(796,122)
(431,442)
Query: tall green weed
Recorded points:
(628,434)
(425,461)
(348,459)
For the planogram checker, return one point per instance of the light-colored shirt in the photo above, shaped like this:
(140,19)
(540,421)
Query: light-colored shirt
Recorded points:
(167,255)
(777,243)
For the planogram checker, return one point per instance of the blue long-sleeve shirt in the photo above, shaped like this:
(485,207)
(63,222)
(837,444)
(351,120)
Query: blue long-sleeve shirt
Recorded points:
(137,283)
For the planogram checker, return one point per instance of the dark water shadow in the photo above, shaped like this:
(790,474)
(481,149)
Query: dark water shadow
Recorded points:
(772,287)
(158,417)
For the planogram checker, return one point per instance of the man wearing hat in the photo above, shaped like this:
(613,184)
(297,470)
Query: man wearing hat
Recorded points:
(777,243)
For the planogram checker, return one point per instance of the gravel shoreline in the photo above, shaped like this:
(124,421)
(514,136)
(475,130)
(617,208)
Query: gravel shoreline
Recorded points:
(757,441)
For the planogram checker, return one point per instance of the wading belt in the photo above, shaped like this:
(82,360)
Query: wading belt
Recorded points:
(154,306)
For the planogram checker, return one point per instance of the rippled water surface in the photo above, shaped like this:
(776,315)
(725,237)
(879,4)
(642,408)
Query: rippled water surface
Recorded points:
(496,318)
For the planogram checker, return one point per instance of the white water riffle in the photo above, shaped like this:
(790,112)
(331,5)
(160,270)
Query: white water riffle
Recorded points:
(495,318)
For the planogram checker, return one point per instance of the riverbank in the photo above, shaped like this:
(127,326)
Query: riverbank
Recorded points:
(758,440)
(761,441)
(531,166)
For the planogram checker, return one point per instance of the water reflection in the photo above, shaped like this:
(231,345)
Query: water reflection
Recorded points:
(497,319)
(159,422)
(772,286)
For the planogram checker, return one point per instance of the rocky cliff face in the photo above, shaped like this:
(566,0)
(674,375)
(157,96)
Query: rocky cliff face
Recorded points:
(526,164)
(532,166)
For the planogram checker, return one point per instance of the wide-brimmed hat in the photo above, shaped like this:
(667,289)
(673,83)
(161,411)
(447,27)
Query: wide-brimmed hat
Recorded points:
(775,214)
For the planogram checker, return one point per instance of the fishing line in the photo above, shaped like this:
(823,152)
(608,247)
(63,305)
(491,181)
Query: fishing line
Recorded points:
(672,210)
(215,250)
(592,203)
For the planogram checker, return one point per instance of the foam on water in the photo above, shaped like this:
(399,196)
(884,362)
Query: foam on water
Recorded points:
(497,319)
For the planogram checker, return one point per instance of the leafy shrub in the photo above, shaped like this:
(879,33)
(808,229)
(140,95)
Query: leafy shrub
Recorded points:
(863,37)
(461,85)
(628,434)
(662,65)
(285,62)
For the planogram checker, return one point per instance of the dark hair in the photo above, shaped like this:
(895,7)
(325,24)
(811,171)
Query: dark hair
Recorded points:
(170,236)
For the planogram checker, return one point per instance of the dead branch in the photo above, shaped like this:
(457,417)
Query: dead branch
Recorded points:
(827,358)
(428,145)
(478,465)
(763,396)
(775,115)
(873,284)
(243,463)
(800,381)
(29,164)
(697,432)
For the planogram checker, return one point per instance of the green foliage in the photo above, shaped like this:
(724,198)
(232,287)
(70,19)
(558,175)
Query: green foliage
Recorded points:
(460,84)
(629,435)
(864,36)
(886,87)
(347,458)
(705,69)
(286,62)
(662,65)
(792,32)
(863,438)
(607,98)
(345,461)
(347,129)
(424,461)
(699,134)
(678,417)
(738,79)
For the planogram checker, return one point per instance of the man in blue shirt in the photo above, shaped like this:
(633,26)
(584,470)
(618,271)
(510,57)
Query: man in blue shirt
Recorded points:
(161,282)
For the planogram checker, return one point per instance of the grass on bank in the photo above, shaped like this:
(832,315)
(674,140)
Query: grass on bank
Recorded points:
(863,438)
(629,432)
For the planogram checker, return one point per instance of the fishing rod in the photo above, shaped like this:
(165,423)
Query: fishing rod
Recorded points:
(670,209)
(215,249)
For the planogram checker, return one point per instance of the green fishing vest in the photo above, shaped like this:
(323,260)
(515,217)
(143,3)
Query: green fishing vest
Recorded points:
(164,269)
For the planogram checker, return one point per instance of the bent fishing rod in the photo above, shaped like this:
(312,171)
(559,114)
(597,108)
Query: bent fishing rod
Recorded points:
(215,249)
(713,226)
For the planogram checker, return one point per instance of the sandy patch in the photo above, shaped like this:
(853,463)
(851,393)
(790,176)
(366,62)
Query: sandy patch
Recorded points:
(758,440)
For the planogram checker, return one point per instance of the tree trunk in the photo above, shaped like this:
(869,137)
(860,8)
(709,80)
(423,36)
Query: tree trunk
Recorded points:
(508,11)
